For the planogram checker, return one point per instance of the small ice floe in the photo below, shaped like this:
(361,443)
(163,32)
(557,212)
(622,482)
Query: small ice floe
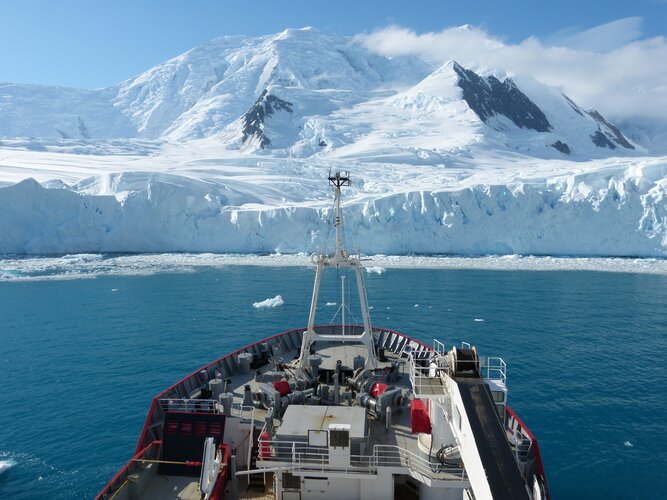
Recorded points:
(375,269)
(478,320)
(628,444)
(331,304)
(5,465)
(416,305)
(80,257)
(274,302)
(114,289)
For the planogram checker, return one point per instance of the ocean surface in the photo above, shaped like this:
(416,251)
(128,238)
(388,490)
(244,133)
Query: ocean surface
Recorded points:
(82,354)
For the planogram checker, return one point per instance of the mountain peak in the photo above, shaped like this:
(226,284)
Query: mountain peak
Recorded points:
(297,31)
(489,97)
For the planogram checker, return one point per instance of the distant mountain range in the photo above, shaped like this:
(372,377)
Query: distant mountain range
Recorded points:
(304,93)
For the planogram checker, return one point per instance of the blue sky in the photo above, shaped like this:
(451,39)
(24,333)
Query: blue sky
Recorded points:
(93,44)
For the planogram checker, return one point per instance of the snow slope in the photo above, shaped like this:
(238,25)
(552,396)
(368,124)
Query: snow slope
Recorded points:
(226,148)
(329,80)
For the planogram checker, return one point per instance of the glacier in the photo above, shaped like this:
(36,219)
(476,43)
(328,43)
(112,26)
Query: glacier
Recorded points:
(610,208)
(226,149)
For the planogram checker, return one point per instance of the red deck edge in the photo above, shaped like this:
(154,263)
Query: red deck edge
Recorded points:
(536,447)
(223,477)
(118,475)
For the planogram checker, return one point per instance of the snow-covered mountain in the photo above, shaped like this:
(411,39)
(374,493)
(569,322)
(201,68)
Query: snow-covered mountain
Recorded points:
(226,148)
(226,88)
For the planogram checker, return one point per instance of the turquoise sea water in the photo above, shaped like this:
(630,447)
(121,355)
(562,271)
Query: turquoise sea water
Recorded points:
(81,359)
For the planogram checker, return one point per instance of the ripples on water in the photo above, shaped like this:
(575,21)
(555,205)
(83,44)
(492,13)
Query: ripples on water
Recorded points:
(81,359)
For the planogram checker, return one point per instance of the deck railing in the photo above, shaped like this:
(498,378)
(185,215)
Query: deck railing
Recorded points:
(395,456)
(495,368)
(245,413)
(303,457)
(439,347)
(189,405)
(426,380)
(527,449)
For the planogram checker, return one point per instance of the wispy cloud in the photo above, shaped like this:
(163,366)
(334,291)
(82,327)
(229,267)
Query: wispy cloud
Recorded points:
(602,38)
(608,67)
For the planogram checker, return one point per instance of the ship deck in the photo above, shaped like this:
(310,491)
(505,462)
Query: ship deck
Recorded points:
(393,448)
(187,488)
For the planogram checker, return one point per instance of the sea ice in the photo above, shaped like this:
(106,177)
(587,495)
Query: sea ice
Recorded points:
(5,465)
(269,303)
(53,268)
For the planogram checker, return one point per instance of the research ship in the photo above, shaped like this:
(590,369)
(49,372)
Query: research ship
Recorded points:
(340,411)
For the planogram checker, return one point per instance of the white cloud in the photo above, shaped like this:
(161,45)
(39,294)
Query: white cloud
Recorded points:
(601,38)
(608,67)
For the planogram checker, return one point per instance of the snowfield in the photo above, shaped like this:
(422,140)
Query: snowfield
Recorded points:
(226,149)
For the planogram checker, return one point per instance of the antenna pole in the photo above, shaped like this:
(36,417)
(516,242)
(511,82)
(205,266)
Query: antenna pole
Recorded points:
(338,181)
(342,289)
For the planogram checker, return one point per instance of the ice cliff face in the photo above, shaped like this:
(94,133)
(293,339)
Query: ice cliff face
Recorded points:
(619,212)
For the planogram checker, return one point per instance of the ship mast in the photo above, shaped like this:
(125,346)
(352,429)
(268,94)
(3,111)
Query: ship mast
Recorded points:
(339,259)
(338,181)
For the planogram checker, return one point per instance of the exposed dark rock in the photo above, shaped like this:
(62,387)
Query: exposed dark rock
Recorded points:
(612,131)
(489,97)
(83,130)
(253,120)
(63,134)
(572,104)
(562,147)
(601,140)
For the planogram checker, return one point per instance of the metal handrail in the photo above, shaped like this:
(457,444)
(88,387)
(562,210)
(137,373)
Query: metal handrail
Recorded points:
(305,457)
(421,376)
(189,405)
(244,412)
(185,405)
(392,456)
(495,368)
